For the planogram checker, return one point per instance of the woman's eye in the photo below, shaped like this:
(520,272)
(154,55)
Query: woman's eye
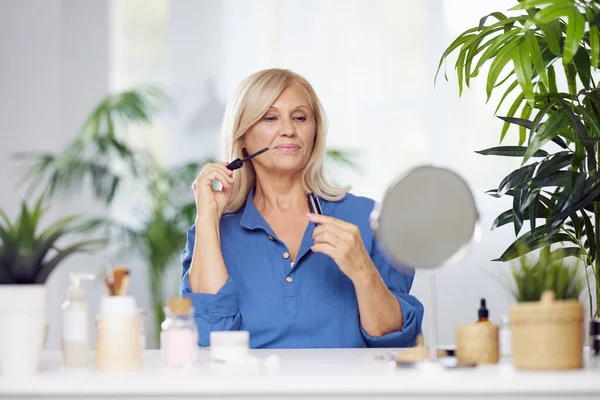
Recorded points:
(270,118)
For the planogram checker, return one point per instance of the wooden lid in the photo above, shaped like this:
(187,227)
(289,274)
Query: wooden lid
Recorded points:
(180,305)
(547,309)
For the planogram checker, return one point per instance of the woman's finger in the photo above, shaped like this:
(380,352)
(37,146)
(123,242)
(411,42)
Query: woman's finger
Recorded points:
(215,174)
(326,219)
(328,237)
(326,249)
(342,234)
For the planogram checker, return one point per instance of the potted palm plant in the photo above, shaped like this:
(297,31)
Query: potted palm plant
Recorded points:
(544,55)
(28,255)
(163,228)
(548,314)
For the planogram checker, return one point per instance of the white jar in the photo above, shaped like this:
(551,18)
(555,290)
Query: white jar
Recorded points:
(229,346)
(118,346)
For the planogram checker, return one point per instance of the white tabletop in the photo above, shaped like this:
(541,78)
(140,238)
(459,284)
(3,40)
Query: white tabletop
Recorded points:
(303,373)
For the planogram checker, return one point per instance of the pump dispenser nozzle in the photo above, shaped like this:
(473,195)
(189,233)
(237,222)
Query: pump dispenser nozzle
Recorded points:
(75,292)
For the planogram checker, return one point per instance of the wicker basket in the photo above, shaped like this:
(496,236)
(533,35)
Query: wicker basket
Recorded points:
(547,334)
(477,344)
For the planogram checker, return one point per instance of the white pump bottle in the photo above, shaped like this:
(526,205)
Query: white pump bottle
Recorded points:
(75,341)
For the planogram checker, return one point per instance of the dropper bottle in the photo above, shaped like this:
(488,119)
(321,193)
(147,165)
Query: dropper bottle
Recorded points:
(483,313)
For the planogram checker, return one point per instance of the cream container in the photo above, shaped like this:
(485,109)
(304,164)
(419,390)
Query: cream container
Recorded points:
(229,346)
(118,344)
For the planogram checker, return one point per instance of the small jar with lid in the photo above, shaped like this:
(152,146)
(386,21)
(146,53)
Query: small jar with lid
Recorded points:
(179,334)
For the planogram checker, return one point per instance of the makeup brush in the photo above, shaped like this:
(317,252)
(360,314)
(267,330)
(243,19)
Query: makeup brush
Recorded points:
(237,163)
(121,281)
(109,281)
(117,281)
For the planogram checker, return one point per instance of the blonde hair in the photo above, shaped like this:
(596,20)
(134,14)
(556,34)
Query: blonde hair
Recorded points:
(252,99)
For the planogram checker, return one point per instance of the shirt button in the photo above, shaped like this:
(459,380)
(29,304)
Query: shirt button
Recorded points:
(289,279)
(286,255)
(270,237)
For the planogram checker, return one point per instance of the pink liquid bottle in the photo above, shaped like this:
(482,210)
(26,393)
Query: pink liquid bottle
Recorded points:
(179,334)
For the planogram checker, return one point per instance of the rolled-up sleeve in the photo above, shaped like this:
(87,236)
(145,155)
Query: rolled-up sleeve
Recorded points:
(399,281)
(212,312)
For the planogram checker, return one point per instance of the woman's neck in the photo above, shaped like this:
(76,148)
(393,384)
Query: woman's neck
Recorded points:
(281,196)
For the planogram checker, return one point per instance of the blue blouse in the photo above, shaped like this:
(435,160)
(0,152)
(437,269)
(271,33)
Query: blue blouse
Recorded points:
(310,304)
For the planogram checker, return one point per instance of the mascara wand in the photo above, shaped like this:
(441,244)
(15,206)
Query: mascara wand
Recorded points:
(237,163)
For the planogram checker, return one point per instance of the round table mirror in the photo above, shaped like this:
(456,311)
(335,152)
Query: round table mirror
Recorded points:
(427,219)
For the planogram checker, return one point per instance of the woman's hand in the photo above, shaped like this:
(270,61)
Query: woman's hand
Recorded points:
(341,241)
(210,203)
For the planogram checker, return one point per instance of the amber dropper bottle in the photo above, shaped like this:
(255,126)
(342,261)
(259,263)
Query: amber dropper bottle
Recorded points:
(483,313)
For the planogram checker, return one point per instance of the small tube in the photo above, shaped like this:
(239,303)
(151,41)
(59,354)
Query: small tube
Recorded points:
(313,204)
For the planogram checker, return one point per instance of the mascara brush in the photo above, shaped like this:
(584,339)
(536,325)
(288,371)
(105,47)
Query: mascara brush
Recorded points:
(238,163)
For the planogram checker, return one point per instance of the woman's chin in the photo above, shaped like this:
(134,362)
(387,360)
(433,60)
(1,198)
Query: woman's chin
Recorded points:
(287,167)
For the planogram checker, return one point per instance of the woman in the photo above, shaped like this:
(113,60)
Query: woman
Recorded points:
(257,260)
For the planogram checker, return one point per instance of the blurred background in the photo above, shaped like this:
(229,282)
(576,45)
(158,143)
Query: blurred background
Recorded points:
(372,62)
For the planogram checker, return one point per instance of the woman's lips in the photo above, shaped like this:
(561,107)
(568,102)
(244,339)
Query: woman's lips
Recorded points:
(288,148)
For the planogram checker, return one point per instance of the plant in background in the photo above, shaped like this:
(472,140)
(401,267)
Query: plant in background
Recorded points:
(28,254)
(530,278)
(99,155)
(543,55)
(162,234)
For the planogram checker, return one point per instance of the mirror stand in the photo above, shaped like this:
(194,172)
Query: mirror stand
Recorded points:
(432,300)
(427,220)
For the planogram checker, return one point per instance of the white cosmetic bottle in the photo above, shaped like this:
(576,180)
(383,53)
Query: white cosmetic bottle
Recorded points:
(75,341)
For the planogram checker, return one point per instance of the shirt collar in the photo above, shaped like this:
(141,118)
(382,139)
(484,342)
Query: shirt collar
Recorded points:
(251,218)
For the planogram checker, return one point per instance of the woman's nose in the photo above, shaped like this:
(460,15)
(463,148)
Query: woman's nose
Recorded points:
(287,128)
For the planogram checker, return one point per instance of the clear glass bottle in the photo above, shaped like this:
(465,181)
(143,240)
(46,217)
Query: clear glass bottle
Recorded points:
(143,315)
(505,337)
(179,334)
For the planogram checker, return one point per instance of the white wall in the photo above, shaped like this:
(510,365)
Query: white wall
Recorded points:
(53,70)
(30,71)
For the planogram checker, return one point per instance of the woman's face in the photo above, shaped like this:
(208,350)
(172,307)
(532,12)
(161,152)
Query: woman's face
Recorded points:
(287,129)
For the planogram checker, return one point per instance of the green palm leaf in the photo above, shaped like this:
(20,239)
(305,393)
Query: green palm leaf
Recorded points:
(551,107)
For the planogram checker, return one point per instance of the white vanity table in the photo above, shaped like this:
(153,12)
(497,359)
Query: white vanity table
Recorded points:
(304,373)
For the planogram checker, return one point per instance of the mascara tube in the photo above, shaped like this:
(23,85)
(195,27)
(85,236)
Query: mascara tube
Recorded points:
(313,203)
